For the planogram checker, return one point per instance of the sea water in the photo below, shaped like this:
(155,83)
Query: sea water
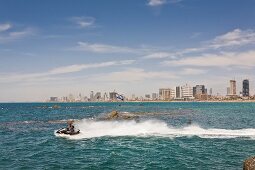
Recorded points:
(189,135)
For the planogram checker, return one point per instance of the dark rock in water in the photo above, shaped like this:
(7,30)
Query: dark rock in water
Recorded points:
(249,164)
(56,107)
(115,115)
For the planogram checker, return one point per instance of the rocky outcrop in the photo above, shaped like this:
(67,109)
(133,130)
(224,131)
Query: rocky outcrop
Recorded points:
(115,115)
(249,164)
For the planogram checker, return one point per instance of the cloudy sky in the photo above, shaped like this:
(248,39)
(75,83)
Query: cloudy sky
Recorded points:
(54,48)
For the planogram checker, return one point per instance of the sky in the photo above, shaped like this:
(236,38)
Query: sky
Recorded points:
(57,47)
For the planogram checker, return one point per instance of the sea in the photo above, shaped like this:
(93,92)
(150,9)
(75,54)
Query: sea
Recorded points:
(168,135)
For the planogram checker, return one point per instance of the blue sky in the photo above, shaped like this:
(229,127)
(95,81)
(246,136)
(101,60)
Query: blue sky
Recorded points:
(54,48)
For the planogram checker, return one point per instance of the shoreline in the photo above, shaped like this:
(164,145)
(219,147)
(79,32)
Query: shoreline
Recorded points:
(209,101)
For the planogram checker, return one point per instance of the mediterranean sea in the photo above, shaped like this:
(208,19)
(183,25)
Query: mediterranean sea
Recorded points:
(188,135)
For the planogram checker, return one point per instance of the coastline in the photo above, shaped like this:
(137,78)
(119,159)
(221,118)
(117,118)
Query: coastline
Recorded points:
(156,101)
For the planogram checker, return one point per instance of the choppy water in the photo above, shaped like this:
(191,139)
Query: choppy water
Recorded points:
(220,136)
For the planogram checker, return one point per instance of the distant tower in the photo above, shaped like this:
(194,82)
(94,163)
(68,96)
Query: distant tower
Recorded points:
(228,91)
(232,87)
(246,88)
(91,95)
(210,91)
(178,92)
(105,96)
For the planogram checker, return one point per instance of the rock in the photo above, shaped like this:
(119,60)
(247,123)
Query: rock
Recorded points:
(56,107)
(113,114)
(249,164)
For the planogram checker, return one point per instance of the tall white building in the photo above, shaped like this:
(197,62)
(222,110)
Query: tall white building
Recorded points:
(187,92)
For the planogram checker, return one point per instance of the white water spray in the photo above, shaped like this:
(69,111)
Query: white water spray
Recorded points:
(92,129)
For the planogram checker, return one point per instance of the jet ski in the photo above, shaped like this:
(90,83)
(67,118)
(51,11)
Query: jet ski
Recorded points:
(70,130)
(66,131)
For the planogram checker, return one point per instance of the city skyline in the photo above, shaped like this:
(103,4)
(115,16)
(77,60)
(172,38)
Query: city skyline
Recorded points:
(185,92)
(53,48)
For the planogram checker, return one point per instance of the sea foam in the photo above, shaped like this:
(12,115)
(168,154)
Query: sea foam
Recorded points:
(93,129)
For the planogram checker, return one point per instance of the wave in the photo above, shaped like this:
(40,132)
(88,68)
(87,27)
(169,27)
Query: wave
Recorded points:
(93,129)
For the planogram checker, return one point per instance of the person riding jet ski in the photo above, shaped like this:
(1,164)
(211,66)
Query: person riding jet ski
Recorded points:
(69,130)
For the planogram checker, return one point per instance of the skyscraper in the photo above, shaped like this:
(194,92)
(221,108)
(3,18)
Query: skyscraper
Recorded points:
(246,88)
(232,87)
(178,92)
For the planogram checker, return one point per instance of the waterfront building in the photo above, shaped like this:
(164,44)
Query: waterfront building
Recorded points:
(105,96)
(178,92)
(165,94)
(53,99)
(147,96)
(97,96)
(187,92)
(133,97)
(246,88)
(113,96)
(71,98)
(154,96)
(232,87)
(200,92)
(210,92)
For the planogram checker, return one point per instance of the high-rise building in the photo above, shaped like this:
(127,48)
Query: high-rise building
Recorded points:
(232,87)
(165,94)
(178,92)
(113,95)
(199,90)
(246,88)
(187,92)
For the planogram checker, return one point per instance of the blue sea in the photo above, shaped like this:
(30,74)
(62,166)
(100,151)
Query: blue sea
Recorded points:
(190,135)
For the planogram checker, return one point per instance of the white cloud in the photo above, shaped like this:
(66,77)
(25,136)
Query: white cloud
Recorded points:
(80,67)
(5,27)
(7,78)
(83,22)
(134,74)
(158,55)
(16,35)
(192,71)
(154,3)
(236,37)
(244,59)
(103,48)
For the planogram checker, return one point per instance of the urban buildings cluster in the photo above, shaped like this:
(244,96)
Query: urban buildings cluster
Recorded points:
(93,97)
(178,93)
